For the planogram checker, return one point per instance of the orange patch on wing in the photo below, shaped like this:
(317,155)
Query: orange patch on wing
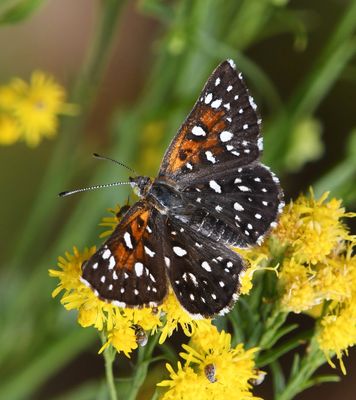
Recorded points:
(214,123)
(136,226)
(209,118)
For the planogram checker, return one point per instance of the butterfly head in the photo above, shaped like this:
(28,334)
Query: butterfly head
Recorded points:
(140,185)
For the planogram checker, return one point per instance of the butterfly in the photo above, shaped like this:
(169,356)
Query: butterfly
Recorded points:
(211,192)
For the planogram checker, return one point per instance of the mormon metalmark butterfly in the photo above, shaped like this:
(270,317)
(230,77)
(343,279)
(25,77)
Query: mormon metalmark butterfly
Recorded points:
(211,192)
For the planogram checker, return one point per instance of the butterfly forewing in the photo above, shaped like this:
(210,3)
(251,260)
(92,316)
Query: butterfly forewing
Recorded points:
(204,274)
(128,268)
(221,131)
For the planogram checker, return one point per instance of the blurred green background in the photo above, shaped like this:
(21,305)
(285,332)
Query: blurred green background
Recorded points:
(136,68)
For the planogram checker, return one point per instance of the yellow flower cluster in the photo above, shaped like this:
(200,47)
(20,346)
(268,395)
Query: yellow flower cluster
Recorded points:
(317,271)
(29,111)
(212,369)
(119,324)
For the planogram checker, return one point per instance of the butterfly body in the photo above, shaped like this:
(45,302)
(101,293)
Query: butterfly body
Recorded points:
(211,192)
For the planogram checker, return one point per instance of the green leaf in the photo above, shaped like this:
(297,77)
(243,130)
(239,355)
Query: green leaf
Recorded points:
(317,380)
(295,366)
(278,378)
(282,332)
(20,11)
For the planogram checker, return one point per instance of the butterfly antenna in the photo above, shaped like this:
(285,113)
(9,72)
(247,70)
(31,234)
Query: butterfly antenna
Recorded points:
(105,185)
(99,157)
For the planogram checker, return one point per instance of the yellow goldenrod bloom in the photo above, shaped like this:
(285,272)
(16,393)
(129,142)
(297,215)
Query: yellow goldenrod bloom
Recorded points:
(35,106)
(9,132)
(214,369)
(312,228)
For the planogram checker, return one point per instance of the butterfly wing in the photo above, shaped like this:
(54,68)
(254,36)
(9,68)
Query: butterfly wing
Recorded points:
(221,132)
(128,268)
(204,273)
(237,208)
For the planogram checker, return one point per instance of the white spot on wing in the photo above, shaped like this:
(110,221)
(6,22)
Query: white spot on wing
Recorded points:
(106,254)
(225,136)
(252,103)
(244,189)
(260,144)
(112,262)
(206,266)
(210,157)
(208,98)
(238,207)
(216,103)
(179,251)
(215,186)
(139,268)
(127,238)
(231,62)
(149,252)
(217,81)
(198,131)
(229,88)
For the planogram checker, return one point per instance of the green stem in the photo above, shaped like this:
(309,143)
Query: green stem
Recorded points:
(109,357)
(313,359)
(143,362)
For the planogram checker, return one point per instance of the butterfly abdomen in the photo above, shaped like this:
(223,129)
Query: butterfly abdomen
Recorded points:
(214,228)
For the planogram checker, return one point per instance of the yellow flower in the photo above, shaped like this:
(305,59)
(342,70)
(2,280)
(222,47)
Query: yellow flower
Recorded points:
(35,106)
(337,329)
(338,332)
(257,260)
(213,368)
(298,287)
(312,228)
(184,384)
(176,316)
(111,222)
(122,336)
(9,132)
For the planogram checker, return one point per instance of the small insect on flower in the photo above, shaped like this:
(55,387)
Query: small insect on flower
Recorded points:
(178,234)
(141,337)
(209,371)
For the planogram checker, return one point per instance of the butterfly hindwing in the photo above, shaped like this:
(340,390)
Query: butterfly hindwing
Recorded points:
(203,273)
(237,208)
(222,131)
(128,268)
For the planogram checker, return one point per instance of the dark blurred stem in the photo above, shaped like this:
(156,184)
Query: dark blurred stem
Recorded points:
(59,169)
(109,357)
(143,362)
